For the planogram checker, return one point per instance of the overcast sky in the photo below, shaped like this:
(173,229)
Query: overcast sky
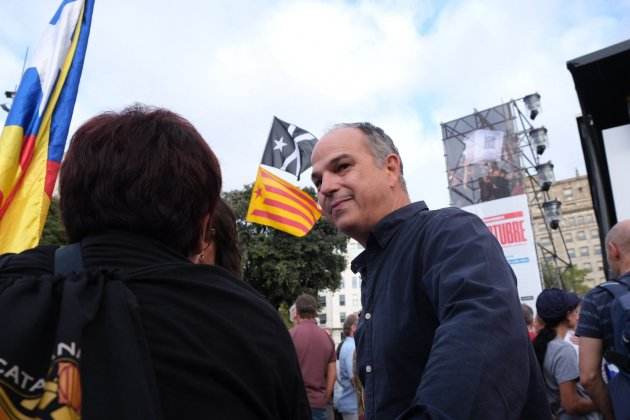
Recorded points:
(230,66)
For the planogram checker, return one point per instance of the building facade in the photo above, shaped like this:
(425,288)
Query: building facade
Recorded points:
(335,306)
(578,225)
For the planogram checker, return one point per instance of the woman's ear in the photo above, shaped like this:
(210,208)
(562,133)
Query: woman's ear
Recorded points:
(203,241)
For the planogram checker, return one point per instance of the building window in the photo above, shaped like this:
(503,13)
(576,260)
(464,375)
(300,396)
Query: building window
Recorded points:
(322,319)
(322,301)
(587,266)
(568,237)
(580,235)
(342,316)
(571,252)
(342,300)
(594,234)
(584,251)
(355,302)
(579,220)
(568,193)
(597,250)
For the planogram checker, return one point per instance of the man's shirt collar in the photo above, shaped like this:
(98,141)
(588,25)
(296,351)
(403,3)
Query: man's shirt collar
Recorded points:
(384,231)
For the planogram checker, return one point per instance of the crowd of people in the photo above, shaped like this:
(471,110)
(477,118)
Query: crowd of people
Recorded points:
(150,302)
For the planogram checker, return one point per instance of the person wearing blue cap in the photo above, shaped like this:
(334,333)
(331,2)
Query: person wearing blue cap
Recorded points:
(558,310)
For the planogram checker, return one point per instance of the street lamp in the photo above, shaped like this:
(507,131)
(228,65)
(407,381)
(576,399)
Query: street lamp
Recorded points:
(545,175)
(532,102)
(539,138)
(551,210)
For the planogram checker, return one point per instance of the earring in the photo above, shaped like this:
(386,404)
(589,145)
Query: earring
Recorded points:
(201,256)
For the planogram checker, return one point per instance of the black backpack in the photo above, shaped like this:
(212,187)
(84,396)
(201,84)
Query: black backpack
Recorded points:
(619,354)
(72,346)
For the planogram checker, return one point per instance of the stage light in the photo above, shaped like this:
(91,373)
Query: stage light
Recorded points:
(9,93)
(532,102)
(551,210)
(545,175)
(5,107)
(539,138)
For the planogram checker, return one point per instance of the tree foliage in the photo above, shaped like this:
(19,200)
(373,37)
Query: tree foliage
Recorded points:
(54,233)
(569,278)
(281,266)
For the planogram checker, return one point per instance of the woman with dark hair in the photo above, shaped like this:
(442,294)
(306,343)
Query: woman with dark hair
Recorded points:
(221,242)
(559,312)
(160,337)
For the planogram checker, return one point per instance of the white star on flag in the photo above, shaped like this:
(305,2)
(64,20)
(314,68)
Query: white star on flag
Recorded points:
(279,144)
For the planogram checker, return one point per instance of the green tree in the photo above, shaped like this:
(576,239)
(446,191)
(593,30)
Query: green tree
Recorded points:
(281,266)
(568,277)
(54,233)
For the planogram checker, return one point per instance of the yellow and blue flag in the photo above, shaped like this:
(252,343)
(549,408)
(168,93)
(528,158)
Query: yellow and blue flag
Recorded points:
(33,139)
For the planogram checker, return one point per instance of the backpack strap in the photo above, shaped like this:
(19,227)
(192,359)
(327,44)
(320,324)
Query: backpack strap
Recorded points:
(68,259)
(625,280)
(616,288)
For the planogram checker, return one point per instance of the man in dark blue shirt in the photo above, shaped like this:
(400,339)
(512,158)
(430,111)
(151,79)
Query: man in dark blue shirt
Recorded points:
(441,334)
(595,325)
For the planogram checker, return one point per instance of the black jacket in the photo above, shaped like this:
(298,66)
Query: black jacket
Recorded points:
(158,336)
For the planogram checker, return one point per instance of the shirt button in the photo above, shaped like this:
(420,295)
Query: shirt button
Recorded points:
(368,368)
(368,315)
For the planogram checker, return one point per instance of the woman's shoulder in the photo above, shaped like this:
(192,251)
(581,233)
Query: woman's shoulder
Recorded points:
(32,262)
(558,349)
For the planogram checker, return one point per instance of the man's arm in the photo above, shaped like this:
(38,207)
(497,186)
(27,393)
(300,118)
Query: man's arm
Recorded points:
(331,374)
(572,402)
(591,374)
(479,365)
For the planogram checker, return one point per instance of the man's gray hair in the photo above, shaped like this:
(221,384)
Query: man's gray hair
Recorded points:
(380,144)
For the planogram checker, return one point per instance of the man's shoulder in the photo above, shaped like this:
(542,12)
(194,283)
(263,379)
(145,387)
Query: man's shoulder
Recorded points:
(598,295)
(347,350)
(440,218)
(449,214)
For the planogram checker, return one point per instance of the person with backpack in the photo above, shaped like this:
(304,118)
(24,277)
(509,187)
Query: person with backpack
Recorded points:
(558,310)
(121,324)
(603,332)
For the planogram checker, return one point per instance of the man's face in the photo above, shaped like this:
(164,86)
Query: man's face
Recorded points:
(353,191)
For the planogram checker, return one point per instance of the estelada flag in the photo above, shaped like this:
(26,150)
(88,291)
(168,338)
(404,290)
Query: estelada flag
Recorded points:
(34,136)
(288,148)
(281,205)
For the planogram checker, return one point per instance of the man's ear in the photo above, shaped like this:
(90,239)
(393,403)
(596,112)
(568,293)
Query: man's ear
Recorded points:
(612,250)
(392,164)
(202,242)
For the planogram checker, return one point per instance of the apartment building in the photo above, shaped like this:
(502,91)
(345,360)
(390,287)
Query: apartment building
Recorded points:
(578,225)
(335,306)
